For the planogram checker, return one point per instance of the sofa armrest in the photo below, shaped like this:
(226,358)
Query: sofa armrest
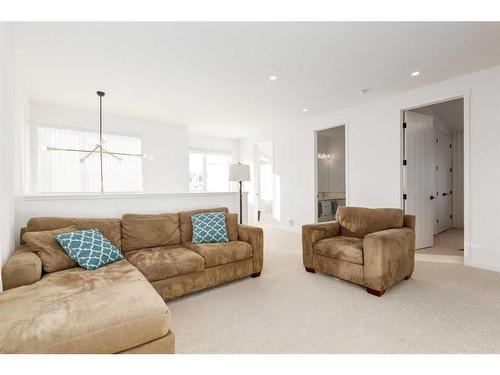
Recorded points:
(311,233)
(255,237)
(23,268)
(409,221)
(389,256)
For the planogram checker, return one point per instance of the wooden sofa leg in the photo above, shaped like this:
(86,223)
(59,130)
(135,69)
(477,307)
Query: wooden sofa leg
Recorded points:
(408,277)
(374,292)
(257,274)
(312,270)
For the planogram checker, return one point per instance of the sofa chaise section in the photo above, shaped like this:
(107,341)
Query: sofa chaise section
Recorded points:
(110,310)
(119,308)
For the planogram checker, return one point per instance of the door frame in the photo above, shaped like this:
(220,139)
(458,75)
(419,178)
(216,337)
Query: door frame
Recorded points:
(467,160)
(315,163)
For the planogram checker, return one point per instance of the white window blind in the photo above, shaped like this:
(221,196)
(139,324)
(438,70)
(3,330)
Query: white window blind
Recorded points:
(209,172)
(63,172)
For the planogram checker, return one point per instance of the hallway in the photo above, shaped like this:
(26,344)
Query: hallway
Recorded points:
(448,248)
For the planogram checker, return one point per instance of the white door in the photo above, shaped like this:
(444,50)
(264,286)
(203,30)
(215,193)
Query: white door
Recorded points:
(443,182)
(419,176)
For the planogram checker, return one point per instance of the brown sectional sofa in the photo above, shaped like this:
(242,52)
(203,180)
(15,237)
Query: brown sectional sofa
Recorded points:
(370,247)
(116,309)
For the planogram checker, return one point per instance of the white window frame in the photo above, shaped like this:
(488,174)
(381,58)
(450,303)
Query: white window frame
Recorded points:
(205,152)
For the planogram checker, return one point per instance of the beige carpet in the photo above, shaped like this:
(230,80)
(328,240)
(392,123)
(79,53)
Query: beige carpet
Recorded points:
(443,308)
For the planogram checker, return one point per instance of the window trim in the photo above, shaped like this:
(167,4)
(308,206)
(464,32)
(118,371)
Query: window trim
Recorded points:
(194,150)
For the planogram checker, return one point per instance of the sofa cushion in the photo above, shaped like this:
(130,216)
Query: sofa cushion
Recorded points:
(141,231)
(89,248)
(209,227)
(360,221)
(232,226)
(45,245)
(349,249)
(185,221)
(222,253)
(76,311)
(110,228)
(160,263)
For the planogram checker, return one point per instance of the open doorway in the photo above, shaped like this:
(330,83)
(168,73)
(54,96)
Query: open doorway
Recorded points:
(330,160)
(264,183)
(433,177)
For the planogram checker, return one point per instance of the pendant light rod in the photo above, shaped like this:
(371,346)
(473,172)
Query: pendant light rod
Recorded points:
(100,94)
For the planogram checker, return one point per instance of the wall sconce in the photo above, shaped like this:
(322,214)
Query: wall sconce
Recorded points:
(324,156)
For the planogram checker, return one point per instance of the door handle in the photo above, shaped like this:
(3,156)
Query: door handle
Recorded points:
(431,197)
(444,194)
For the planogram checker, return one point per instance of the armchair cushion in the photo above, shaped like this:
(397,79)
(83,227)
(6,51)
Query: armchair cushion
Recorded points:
(349,249)
(311,233)
(360,221)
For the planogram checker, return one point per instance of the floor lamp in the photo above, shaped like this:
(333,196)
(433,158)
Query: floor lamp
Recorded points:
(240,172)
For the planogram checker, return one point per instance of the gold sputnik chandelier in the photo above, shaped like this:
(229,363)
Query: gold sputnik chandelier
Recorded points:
(99,147)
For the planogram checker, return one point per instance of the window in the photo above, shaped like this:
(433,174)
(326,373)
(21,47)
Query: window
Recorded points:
(209,171)
(64,172)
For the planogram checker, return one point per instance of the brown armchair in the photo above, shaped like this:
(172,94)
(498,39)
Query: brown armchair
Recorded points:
(370,247)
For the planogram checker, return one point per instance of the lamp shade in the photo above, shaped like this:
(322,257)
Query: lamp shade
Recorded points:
(239,172)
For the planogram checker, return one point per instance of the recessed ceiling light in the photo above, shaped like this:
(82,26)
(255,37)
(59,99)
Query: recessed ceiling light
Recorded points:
(305,110)
(415,74)
(273,78)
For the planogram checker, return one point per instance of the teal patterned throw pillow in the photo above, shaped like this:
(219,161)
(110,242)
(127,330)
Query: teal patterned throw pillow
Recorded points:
(209,227)
(89,248)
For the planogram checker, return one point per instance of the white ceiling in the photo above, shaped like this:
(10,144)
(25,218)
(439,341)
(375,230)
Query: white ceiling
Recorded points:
(450,112)
(213,77)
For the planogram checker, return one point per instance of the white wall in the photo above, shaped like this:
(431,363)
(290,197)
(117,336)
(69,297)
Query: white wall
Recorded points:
(217,144)
(441,126)
(373,152)
(168,144)
(7,141)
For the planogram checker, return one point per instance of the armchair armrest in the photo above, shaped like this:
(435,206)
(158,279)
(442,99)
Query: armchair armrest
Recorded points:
(389,256)
(255,237)
(23,268)
(311,233)
(409,221)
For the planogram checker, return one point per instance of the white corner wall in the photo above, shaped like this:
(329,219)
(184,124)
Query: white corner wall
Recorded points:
(373,158)
(168,144)
(214,144)
(7,141)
